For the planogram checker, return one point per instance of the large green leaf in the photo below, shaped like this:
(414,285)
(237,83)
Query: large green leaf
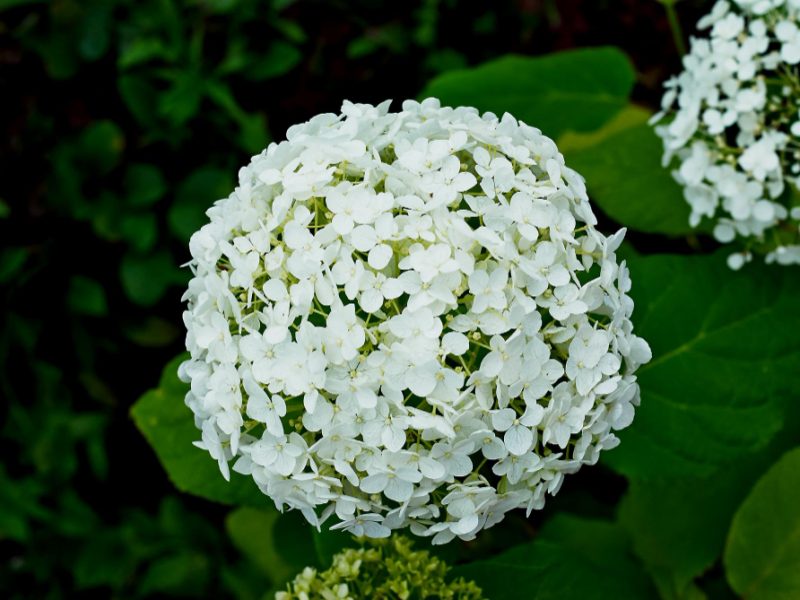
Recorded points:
(168,426)
(626,180)
(573,90)
(678,523)
(725,368)
(570,558)
(698,512)
(678,527)
(762,556)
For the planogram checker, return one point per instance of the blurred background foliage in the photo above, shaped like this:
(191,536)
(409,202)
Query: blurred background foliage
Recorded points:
(122,121)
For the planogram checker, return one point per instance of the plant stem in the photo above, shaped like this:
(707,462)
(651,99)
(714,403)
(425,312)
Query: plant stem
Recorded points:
(674,25)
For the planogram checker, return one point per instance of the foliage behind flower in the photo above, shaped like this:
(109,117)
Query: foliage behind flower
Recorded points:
(734,126)
(409,319)
(389,569)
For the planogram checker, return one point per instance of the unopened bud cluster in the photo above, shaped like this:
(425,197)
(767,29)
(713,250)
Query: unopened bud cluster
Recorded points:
(387,568)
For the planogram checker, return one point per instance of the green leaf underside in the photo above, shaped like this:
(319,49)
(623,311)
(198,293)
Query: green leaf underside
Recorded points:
(577,89)
(762,556)
(571,557)
(625,179)
(167,424)
(726,363)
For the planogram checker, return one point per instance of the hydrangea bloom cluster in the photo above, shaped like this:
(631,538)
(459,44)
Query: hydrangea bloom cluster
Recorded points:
(409,319)
(732,118)
(388,568)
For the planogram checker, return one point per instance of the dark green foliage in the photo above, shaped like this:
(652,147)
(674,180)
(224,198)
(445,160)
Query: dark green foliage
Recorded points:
(124,120)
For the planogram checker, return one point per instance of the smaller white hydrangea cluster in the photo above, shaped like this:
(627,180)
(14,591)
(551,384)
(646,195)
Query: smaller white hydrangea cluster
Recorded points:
(732,118)
(409,319)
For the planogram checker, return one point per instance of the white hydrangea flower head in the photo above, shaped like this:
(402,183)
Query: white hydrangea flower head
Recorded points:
(731,119)
(409,320)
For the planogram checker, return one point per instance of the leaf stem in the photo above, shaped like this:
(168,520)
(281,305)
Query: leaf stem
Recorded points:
(675,26)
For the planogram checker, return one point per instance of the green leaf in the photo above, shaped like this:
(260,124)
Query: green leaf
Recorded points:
(725,368)
(361,47)
(140,230)
(678,549)
(630,116)
(142,49)
(291,30)
(573,90)
(11,262)
(87,297)
(253,135)
(687,543)
(762,556)
(279,544)
(95,32)
(279,60)
(625,179)
(106,212)
(182,101)
(146,278)
(571,558)
(183,573)
(144,185)
(141,98)
(100,146)
(689,538)
(58,53)
(20,501)
(168,425)
(194,197)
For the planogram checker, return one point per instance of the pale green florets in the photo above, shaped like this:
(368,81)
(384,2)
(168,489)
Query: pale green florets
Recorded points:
(387,569)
